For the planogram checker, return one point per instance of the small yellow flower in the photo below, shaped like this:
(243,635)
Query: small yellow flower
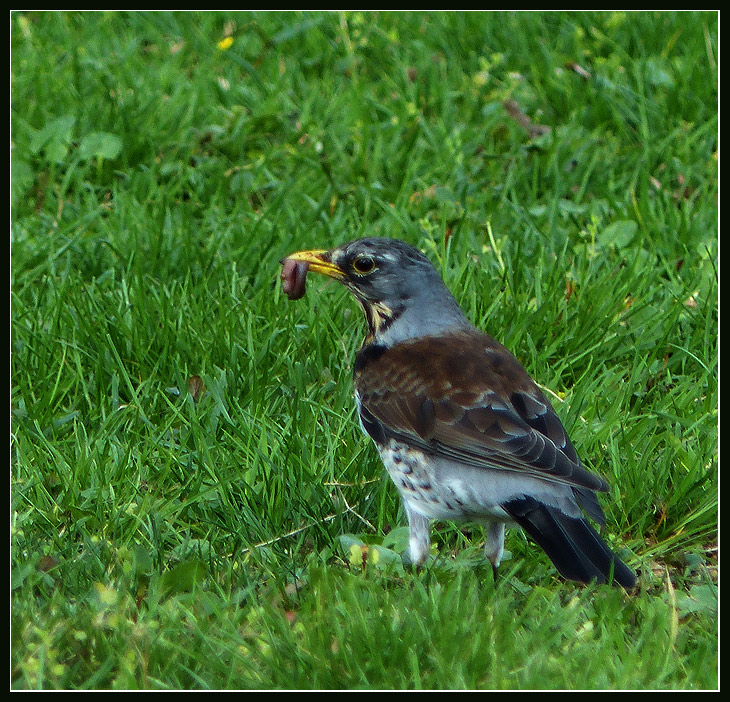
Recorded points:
(225,43)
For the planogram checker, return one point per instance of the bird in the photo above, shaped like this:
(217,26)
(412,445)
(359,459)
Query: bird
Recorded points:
(463,431)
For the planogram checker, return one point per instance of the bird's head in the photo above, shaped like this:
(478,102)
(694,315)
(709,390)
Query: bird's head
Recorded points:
(400,291)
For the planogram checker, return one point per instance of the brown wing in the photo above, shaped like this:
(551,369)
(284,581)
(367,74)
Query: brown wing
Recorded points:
(466,397)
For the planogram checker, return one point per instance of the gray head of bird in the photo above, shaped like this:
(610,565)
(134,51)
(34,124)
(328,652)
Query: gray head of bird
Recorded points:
(400,291)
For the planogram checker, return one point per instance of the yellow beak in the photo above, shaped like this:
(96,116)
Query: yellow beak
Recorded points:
(319,262)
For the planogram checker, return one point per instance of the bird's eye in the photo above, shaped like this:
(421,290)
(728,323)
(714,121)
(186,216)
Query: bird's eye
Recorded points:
(363,264)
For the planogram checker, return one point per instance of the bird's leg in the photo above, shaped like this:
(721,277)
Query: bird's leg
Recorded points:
(419,544)
(494,547)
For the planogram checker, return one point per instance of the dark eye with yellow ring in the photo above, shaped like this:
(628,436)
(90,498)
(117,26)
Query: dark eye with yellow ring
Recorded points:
(363,265)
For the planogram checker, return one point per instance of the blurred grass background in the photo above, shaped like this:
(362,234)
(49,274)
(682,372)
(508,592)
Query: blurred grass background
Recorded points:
(192,502)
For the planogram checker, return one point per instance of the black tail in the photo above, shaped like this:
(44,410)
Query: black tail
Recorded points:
(572,544)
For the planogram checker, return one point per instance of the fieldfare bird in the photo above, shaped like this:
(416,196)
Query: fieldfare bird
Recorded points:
(463,431)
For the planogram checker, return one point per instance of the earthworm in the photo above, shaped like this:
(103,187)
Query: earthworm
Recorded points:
(293,278)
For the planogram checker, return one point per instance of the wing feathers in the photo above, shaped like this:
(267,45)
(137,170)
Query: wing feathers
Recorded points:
(468,398)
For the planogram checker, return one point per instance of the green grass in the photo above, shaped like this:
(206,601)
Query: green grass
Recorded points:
(246,536)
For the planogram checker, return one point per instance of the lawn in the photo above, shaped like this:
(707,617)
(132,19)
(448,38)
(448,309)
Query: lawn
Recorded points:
(193,504)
